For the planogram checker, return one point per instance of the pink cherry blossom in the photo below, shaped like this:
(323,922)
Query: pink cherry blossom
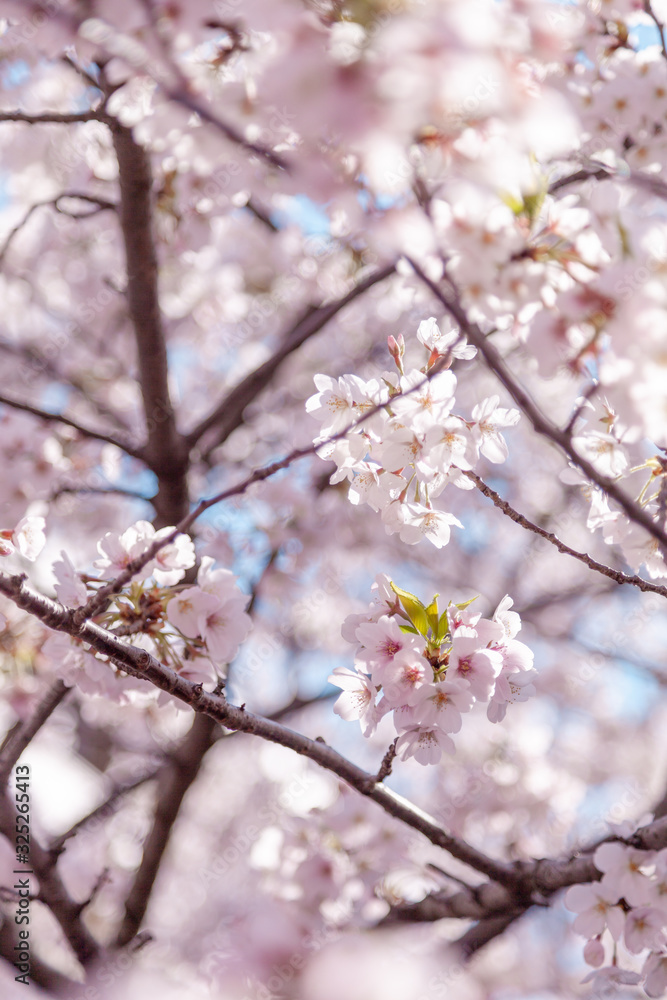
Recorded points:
(443,703)
(655,971)
(478,666)
(624,874)
(70,589)
(489,417)
(644,928)
(27,538)
(225,627)
(596,907)
(425,744)
(186,608)
(357,700)
(382,642)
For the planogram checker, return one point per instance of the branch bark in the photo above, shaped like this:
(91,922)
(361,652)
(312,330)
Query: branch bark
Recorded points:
(612,574)
(21,735)
(141,664)
(51,889)
(173,783)
(130,449)
(521,397)
(164,451)
(228,415)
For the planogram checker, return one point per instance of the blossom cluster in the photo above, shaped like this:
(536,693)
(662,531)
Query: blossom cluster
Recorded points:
(638,547)
(429,669)
(412,443)
(197,629)
(628,907)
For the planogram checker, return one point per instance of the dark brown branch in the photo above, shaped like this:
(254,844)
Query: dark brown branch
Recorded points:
(585,174)
(261,214)
(521,397)
(99,601)
(105,809)
(163,451)
(31,356)
(483,932)
(139,663)
(51,890)
(228,415)
(50,117)
(613,574)
(88,432)
(181,96)
(21,735)
(659,25)
(98,491)
(173,783)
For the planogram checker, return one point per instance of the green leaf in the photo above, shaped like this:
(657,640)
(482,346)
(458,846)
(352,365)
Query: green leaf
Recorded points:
(408,628)
(414,608)
(442,629)
(464,604)
(515,204)
(432,614)
(533,203)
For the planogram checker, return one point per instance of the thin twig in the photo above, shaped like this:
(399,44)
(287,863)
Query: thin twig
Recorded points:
(89,432)
(228,414)
(102,811)
(613,574)
(585,174)
(141,664)
(101,205)
(540,423)
(21,735)
(659,25)
(99,601)
(50,117)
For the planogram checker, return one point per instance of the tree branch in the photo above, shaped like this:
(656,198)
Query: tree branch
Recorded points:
(101,205)
(51,117)
(659,25)
(51,890)
(133,450)
(99,601)
(483,932)
(521,397)
(164,451)
(141,664)
(228,415)
(20,736)
(173,783)
(105,809)
(612,574)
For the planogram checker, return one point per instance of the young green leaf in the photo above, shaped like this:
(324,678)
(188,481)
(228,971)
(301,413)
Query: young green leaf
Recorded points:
(414,608)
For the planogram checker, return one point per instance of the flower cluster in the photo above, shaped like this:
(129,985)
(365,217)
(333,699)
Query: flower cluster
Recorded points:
(412,444)
(428,668)
(627,907)
(197,630)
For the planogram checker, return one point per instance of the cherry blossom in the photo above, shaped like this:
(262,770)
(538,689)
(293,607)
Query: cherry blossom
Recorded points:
(623,870)
(278,280)
(70,589)
(27,538)
(430,671)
